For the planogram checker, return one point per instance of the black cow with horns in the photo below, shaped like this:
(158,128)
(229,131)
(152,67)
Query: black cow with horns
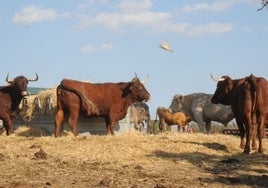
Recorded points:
(10,98)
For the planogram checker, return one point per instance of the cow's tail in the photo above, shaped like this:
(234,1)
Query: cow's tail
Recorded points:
(253,92)
(254,97)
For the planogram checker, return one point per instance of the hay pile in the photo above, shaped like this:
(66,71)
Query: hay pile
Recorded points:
(45,102)
(130,159)
(27,108)
(44,96)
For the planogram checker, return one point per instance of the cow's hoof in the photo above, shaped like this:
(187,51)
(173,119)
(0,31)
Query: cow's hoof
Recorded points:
(10,132)
(246,151)
(254,147)
(260,150)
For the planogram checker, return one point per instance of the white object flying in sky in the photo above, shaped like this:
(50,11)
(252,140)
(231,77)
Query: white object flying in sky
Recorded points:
(165,46)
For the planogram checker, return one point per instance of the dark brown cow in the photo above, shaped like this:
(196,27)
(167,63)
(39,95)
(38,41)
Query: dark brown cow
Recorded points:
(10,98)
(248,99)
(166,117)
(108,100)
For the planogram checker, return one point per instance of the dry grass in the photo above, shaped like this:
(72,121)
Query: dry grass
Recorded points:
(130,159)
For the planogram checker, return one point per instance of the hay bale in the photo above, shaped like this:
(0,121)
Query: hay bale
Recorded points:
(48,100)
(45,102)
(28,108)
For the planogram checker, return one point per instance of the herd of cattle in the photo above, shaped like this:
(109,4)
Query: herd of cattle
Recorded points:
(243,99)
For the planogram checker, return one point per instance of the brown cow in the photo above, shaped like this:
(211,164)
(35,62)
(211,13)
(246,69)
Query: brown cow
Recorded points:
(165,117)
(260,107)
(108,100)
(10,98)
(248,99)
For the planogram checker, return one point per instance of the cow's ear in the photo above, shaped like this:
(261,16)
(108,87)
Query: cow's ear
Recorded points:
(126,90)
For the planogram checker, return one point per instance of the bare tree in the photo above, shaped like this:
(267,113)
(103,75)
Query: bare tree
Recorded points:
(264,4)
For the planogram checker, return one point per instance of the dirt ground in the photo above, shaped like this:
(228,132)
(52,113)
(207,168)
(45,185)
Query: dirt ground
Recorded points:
(130,159)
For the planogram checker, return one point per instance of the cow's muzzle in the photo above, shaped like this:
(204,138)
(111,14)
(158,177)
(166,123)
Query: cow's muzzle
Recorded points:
(24,93)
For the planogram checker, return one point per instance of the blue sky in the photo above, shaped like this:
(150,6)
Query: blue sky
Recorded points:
(108,41)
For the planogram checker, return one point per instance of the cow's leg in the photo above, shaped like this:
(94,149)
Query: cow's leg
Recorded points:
(72,122)
(141,126)
(249,130)
(135,126)
(208,126)
(111,129)
(186,128)
(160,127)
(7,122)
(162,124)
(241,133)
(110,126)
(149,127)
(254,132)
(198,116)
(180,128)
(2,127)
(58,122)
(260,129)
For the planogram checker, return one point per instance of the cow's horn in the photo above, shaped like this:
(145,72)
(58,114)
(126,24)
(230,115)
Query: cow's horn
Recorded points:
(135,78)
(216,79)
(34,79)
(144,81)
(7,79)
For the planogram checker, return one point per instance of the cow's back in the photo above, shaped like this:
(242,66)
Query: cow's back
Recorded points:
(98,98)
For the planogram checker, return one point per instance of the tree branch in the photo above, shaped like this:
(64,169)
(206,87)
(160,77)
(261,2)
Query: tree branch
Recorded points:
(265,3)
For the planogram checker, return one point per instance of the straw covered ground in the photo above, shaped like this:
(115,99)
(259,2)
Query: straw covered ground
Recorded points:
(130,159)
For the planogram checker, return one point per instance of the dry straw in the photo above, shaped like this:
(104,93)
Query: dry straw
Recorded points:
(130,159)
(45,102)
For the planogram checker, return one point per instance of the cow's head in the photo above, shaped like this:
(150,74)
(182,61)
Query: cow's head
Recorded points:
(176,103)
(20,83)
(161,111)
(136,90)
(223,91)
